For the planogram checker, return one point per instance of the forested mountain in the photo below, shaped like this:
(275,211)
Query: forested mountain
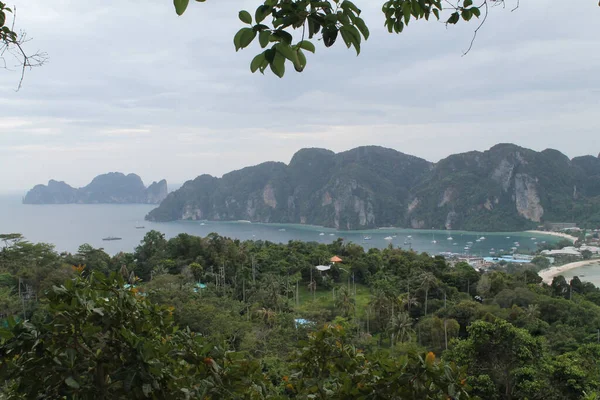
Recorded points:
(113,187)
(363,187)
(504,188)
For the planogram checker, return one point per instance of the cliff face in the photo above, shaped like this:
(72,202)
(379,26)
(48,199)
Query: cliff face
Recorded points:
(504,188)
(113,187)
(361,188)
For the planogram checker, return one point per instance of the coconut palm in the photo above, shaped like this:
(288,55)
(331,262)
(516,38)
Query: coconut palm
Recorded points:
(345,302)
(407,301)
(400,328)
(428,281)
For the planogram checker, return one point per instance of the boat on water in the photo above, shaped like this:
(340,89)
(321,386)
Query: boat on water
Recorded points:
(454,244)
(245,221)
(482,238)
(449,238)
(332,234)
(367,238)
(140,227)
(409,236)
(282,230)
(112,238)
(388,238)
(321,234)
(202,224)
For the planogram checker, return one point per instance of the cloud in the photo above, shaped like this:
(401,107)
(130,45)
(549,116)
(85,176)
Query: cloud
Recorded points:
(132,87)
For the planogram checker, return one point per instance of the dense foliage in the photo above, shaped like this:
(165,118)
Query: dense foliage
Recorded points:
(212,317)
(507,188)
(276,20)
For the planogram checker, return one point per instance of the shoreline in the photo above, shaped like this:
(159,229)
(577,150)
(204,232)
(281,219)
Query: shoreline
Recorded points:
(549,273)
(556,234)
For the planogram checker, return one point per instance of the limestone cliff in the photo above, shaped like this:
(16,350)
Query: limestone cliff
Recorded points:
(113,187)
(504,188)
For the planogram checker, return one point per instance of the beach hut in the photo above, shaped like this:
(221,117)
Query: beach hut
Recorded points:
(335,259)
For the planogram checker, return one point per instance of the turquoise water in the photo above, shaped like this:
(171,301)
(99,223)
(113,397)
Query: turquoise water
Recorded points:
(70,225)
(589,273)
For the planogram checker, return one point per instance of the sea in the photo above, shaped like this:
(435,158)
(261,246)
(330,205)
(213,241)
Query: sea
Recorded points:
(67,226)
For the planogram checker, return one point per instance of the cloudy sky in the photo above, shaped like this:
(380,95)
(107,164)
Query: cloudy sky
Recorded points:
(131,87)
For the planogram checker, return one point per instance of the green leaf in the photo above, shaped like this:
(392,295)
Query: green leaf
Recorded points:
(362,27)
(72,383)
(245,17)
(330,33)
(306,45)
(180,6)
(453,18)
(278,65)
(301,61)
(263,38)
(257,62)
(262,12)
(466,14)
(243,38)
(437,13)
(476,11)
(467,3)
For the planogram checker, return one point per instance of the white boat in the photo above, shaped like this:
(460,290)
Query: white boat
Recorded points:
(202,224)
(508,237)
(388,238)
(449,238)
(282,230)
(454,244)
(367,238)
(482,238)
(478,240)
(332,234)
(409,236)
(467,248)
(470,243)
(533,239)
(321,234)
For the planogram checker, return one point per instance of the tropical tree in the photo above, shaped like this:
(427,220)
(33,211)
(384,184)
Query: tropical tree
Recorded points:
(102,341)
(345,302)
(12,44)
(400,328)
(428,281)
(274,23)
(494,352)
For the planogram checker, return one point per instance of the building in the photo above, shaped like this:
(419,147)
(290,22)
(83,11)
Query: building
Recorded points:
(557,226)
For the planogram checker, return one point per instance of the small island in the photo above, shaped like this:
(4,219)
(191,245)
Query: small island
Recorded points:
(111,188)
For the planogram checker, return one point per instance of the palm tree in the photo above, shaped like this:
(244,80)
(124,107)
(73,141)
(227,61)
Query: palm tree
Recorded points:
(406,301)
(532,312)
(267,315)
(428,281)
(400,328)
(345,302)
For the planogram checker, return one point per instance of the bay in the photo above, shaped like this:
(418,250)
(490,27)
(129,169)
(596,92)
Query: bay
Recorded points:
(67,226)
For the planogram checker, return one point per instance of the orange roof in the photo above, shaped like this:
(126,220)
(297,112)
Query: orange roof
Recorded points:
(335,259)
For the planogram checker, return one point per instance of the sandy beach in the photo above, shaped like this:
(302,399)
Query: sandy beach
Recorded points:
(548,274)
(557,234)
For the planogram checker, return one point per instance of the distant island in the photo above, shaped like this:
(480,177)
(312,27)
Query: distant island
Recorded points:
(505,188)
(114,187)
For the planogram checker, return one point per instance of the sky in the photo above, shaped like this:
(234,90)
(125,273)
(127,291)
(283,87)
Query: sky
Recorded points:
(132,87)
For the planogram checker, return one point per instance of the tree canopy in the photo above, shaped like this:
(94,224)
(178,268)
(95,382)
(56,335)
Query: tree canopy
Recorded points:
(275,22)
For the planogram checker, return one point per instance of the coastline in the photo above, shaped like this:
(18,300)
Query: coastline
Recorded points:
(556,234)
(549,273)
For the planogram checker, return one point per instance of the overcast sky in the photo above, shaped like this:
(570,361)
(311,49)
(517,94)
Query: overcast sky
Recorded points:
(131,87)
